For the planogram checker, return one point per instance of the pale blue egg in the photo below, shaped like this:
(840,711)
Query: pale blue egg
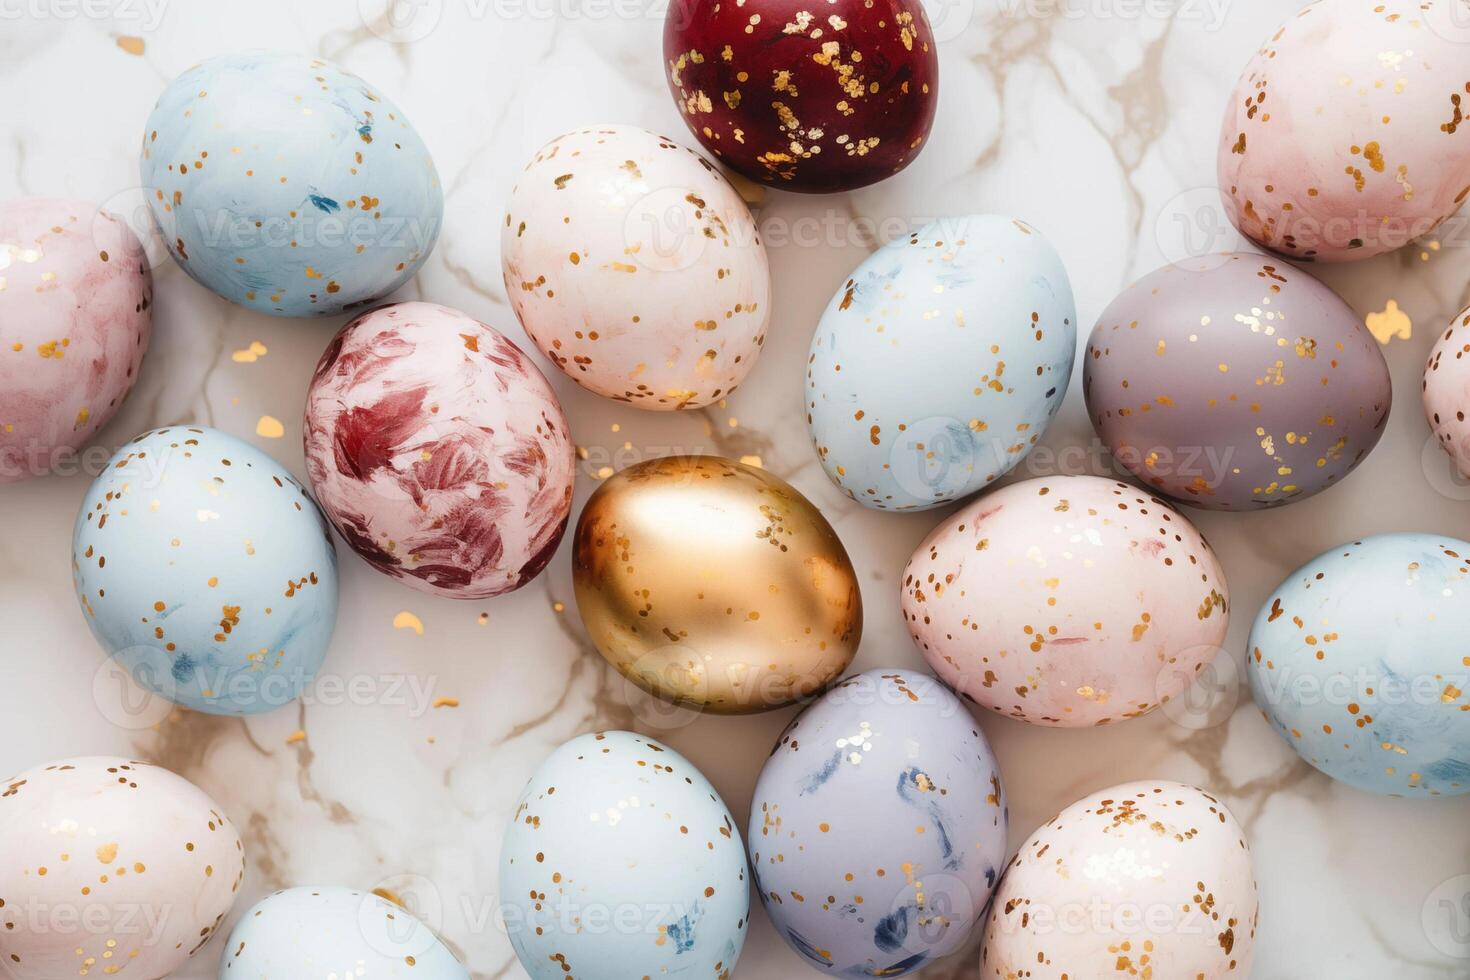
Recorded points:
(324,932)
(878,826)
(623,862)
(940,362)
(287,185)
(205,569)
(1359,661)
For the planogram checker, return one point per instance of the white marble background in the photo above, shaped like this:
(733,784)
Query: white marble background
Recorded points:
(1095,120)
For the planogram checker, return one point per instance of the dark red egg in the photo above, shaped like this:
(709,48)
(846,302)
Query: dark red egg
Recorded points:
(806,97)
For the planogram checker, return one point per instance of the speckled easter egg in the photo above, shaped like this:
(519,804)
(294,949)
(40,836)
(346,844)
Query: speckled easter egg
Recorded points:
(1151,878)
(1066,601)
(622,861)
(110,866)
(76,312)
(439,451)
(1235,382)
(940,362)
(1358,661)
(805,98)
(206,571)
(1346,135)
(1447,390)
(331,931)
(287,185)
(878,826)
(636,268)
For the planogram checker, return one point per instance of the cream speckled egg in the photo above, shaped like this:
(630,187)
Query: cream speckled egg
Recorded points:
(334,932)
(1151,878)
(636,268)
(1447,390)
(1066,601)
(622,861)
(1346,135)
(76,312)
(110,863)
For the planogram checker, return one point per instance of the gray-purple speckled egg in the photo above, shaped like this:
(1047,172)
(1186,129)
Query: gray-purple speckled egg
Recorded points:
(878,826)
(1235,382)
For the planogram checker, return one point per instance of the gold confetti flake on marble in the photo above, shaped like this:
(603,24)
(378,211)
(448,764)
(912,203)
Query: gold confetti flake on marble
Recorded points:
(408,621)
(296,737)
(1391,323)
(446,702)
(132,45)
(269,427)
(251,354)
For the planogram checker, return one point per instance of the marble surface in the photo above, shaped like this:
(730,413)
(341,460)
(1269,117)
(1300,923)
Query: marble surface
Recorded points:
(1095,120)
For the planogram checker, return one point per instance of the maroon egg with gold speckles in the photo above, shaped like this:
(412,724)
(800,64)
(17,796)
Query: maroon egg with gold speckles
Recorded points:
(807,98)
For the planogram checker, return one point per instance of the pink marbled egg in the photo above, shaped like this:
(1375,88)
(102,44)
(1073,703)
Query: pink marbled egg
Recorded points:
(76,303)
(636,268)
(1066,601)
(439,451)
(1447,391)
(1346,135)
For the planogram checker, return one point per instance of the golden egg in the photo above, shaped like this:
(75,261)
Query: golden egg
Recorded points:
(714,584)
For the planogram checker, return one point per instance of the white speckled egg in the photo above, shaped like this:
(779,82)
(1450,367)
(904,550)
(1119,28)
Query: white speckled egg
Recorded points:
(287,185)
(1358,661)
(622,861)
(1066,601)
(76,312)
(1447,391)
(1151,878)
(107,862)
(878,826)
(939,364)
(636,268)
(334,932)
(205,569)
(1346,135)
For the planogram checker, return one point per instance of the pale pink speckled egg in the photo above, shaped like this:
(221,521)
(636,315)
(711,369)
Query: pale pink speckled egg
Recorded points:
(439,451)
(76,301)
(636,268)
(1447,391)
(1150,878)
(1066,601)
(1346,135)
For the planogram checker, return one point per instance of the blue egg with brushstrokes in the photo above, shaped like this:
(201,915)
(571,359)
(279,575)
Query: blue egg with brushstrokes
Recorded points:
(878,827)
(1359,661)
(940,362)
(206,571)
(289,186)
(622,861)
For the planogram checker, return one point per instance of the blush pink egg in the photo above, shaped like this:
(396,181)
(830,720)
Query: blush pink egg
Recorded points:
(439,451)
(1346,135)
(76,302)
(1447,391)
(1066,601)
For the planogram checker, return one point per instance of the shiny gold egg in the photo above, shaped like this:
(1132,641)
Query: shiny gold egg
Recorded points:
(716,585)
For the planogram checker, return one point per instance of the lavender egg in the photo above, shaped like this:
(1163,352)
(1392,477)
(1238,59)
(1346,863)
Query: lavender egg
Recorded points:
(878,826)
(1235,382)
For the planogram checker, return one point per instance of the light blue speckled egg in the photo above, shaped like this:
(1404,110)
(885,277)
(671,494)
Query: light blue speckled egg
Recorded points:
(288,185)
(1359,661)
(623,862)
(940,362)
(878,826)
(334,932)
(205,569)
